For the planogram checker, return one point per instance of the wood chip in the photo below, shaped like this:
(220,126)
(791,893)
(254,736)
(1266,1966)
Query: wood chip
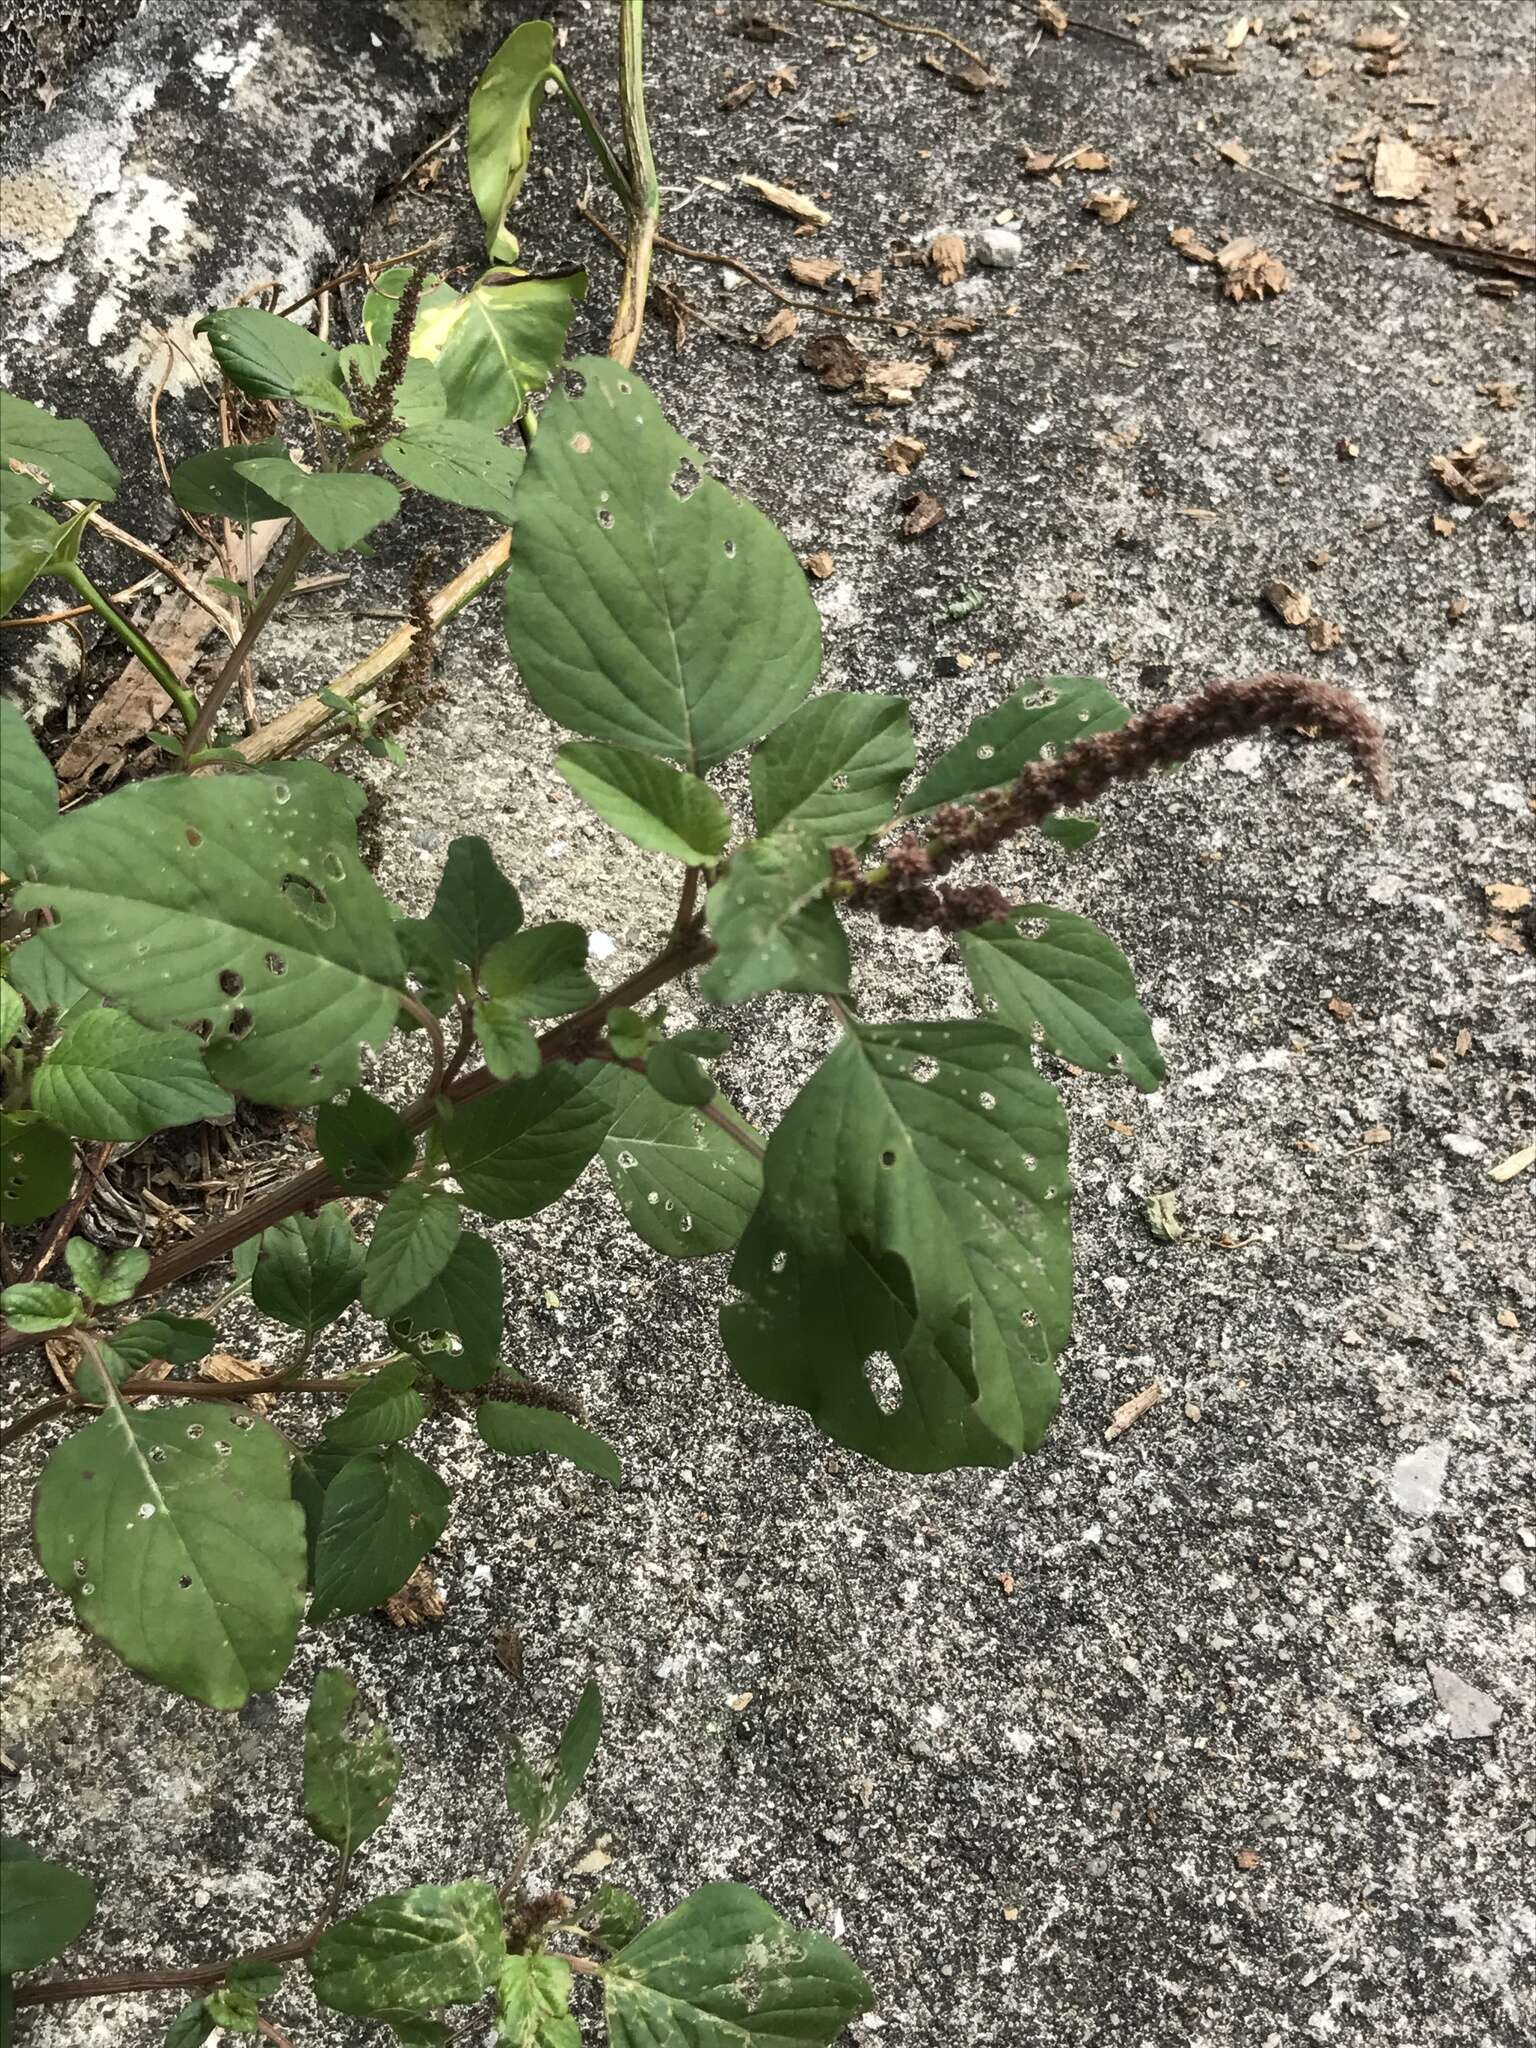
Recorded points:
(795,204)
(1133,1410)
(924,512)
(869,286)
(417,1602)
(1399,171)
(1250,272)
(1469,475)
(1051,17)
(783,324)
(1294,607)
(1516,1163)
(1510,896)
(946,258)
(820,565)
(893,383)
(902,454)
(737,96)
(1323,636)
(1234,153)
(1183,239)
(1111,207)
(1504,396)
(738,1702)
(815,271)
(1340,1008)
(1086,160)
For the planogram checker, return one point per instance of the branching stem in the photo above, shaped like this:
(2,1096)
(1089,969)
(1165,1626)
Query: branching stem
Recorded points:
(133,639)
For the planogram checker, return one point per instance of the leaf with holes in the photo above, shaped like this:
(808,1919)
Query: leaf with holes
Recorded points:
(501,114)
(541,972)
(523,1432)
(694,633)
(236,901)
(915,1205)
(43,1906)
(520,1149)
(833,768)
(37,1167)
(533,2003)
(214,485)
(175,1534)
(538,1799)
(385,1409)
(475,905)
(1050,713)
(771,919)
(382,1513)
(663,809)
(337,508)
(684,1185)
(351,1765)
(66,451)
(108,1076)
(490,346)
(1067,982)
(412,1242)
(29,801)
(433,1945)
(308,1270)
(33,545)
(459,463)
(722,1970)
(454,1326)
(271,357)
(365,1144)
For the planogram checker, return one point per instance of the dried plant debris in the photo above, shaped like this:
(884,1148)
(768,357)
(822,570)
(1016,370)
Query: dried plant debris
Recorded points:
(1039,163)
(1399,172)
(737,96)
(1250,272)
(893,383)
(902,454)
(1183,239)
(820,565)
(779,328)
(1111,206)
(1469,474)
(835,360)
(817,272)
(1051,17)
(417,1602)
(1505,396)
(869,285)
(946,258)
(1292,607)
(786,200)
(923,513)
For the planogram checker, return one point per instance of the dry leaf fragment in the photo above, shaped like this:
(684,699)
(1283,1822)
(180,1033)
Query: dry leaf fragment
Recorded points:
(783,80)
(1468,475)
(1443,526)
(1037,162)
(1205,61)
(815,271)
(1183,239)
(1319,67)
(1294,607)
(924,513)
(1340,1008)
(1086,160)
(508,1650)
(892,383)
(779,328)
(1052,17)
(1399,171)
(1323,636)
(1504,396)
(1510,896)
(738,96)
(834,359)
(869,286)
(1247,1859)
(1133,1410)
(761,28)
(1378,1134)
(738,1702)
(969,76)
(417,1602)
(795,204)
(1234,153)
(1380,42)
(1519,520)
(1346,451)
(820,565)
(903,454)
(1250,271)
(1506,936)
(1111,206)
(590,1864)
(233,1372)
(946,258)
(1005,1580)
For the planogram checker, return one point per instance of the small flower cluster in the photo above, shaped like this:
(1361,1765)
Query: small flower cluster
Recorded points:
(907,890)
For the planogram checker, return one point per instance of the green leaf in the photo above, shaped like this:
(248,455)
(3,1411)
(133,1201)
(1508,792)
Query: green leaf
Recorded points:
(722,1970)
(66,451)
(833,768)
(613,1915)
(533,1997)
(915,1206)
(538,1799)
(37,1167)
(260,1979)
(17,488)
(1056,976)
(490,346)
(233,2007)
(337,508)
(308,1270)
(33,545)
(511,1051)
(541,972)
(215,485)
(43,978)
(412,1242)
(663,809)
(429,961)
(37,1305)
(461,463)
(29,800)
(384,1409)
(312,1471)
(351,1765)
(179,1340)
(43,1907)
(771,918)
(1071,833)
(419,400)
(684,1185)
(463,1303)
(677,1076)
(518,1150)
(475,905)
(519,1432)
(433,1945)
(501,114)
(630,1034)
(108,1076)
(107,1279)
(175,1534)
(13,1014)
(1050,712)
(275,358)
(191,2026)
(383,1512)
(364,1143)
(238,901)
(694,632)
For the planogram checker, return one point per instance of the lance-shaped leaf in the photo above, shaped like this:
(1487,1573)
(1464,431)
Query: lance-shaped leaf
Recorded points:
(523,1432)
(663,809)
(351,1765)
(43,1906)
(520,1149)
(66,451)
(275,358)
(685,1185)
(694,632)
(454,1325)
(538,1799)
(1056,976)
(533,2004)
(29,797)
(722,1970)
(433,1945)
(1049,713)
(412,1242)
(175,1534)
(108,1076)
(490,346)
(914,1208)
(771,919)
(214,485)
(339,508)
(475,905)
(37,1167)
(501,114)
(382,1513)
(459,463)
(833,768)
(236,901)
(308,1270)
(364,1143)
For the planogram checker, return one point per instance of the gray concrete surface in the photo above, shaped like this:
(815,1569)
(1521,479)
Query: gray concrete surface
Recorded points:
(1141,1743)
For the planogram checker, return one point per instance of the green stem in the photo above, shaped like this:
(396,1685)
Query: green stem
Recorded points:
(644,203)
(131,637)
(282,582)
(608,163)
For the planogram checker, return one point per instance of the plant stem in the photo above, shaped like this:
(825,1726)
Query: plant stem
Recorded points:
(67,1217)
(607,161)
(131,637)
(644,203)
(282,582)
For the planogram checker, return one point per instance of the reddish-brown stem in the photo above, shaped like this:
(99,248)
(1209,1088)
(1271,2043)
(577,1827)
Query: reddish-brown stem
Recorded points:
(35,1418)
(64,1990)
(65,1221)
